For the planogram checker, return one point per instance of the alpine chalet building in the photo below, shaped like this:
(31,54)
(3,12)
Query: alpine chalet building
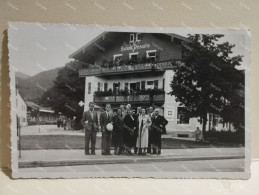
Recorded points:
(135,68)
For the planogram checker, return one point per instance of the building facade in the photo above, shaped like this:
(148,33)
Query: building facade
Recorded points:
(37,114)
(21,110)
(136,69)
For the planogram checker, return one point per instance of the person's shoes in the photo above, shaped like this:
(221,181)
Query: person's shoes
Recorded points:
(93,153)
(87,153)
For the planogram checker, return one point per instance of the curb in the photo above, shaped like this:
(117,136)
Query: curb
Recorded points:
(31,164)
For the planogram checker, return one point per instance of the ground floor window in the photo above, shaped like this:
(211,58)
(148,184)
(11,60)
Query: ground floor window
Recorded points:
(182,116)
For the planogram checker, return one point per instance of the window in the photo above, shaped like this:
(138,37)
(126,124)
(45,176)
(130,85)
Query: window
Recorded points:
(105,86)
(132,38)
(182,116)
(89,87)
(117,58)
(150,84)
(151,54)
(133,56)
(137,37)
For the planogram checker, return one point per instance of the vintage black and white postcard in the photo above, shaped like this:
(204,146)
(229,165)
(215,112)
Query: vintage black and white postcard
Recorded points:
(99,101)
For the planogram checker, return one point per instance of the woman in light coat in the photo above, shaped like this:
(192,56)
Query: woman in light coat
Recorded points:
(142,140)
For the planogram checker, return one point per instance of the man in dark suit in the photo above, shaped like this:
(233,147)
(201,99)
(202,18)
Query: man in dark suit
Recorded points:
(105,118)
(90,121)
(158,128)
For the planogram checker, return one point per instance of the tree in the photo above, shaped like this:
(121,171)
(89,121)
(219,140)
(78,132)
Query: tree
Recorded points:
(67,92)
(203,79)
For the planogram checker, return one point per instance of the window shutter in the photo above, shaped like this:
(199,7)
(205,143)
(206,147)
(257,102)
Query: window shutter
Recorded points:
(138,86)
(89,87)
(155,84)
(143,83)
(126,86)
(114,87)
(105,86)
(99,86)
(157,56)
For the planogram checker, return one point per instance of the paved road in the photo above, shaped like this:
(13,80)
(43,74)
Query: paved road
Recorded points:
(47,130)
(54,130)
(232,165)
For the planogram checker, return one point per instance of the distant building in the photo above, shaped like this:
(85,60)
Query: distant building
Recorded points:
(21,109)
(37,113)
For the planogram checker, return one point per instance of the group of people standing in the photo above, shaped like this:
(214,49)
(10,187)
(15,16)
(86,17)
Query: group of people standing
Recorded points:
(66,123)
(125,130)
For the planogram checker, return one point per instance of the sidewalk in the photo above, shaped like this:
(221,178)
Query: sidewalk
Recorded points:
(51,158)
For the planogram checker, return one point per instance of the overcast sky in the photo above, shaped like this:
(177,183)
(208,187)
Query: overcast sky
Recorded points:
(38,47)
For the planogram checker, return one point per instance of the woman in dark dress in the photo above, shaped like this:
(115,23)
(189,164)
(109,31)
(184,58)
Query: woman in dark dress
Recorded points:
(130,126)
(117,133)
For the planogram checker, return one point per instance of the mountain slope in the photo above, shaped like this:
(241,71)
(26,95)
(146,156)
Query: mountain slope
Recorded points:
(32,88)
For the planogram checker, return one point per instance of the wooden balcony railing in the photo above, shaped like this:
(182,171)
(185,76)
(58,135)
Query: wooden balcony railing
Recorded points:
(124,69)
(129,99)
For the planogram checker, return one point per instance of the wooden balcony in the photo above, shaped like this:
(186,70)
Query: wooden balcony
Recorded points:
(126,69)
(160,98)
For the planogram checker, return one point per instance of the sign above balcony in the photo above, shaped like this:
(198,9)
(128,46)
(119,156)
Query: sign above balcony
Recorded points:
(134,44)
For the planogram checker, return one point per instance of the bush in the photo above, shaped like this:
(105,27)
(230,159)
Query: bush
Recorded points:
(151,92)
(103,93)
(227,136)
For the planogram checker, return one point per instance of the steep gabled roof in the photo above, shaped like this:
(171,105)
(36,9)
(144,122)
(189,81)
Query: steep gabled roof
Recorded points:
(88,44)
(36,107)
(102,36)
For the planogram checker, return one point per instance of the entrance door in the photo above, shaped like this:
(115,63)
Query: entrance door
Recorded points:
(116,88)
(133,86)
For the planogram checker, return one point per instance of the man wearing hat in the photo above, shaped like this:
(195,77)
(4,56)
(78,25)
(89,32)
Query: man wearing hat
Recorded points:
(89,121)
(106,119)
